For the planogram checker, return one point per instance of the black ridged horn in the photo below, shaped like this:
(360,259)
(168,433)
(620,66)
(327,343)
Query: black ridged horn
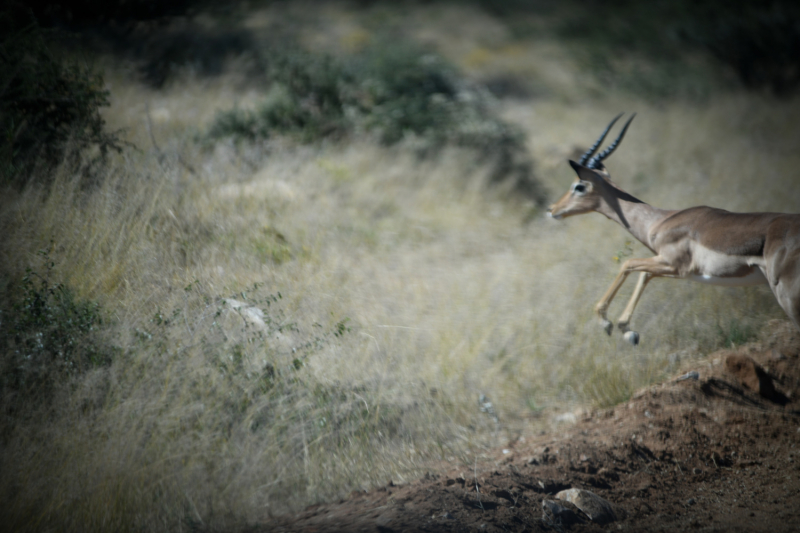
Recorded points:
(590,152)
(593,162)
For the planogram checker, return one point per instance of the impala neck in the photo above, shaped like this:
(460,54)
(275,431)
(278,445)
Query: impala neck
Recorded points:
(629,212)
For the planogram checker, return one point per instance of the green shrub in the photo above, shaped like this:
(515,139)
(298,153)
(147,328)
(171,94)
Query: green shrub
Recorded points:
(49,106)
(395,92)
(405,91)
(47,334)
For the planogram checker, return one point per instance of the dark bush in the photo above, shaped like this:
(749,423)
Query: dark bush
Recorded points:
(405,91)
(92,12)
(161,51)
(759,41)
(307,101)
(49,106)
(395,92)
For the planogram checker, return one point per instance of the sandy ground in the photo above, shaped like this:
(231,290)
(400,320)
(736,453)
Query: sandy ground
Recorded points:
(715,453)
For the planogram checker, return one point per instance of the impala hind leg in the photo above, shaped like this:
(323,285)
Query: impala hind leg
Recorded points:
(788,296)
(782,269)
(624,320)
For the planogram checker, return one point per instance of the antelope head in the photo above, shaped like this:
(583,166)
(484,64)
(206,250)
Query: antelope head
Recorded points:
(591,187)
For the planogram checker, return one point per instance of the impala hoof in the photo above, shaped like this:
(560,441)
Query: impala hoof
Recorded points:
(607,326)
(632,337)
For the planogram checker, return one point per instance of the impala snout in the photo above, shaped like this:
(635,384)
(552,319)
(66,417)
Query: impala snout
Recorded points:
(553,212)
(579,199)
(561,207)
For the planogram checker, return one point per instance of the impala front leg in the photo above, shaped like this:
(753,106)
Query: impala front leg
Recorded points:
(602,306)
(653,266)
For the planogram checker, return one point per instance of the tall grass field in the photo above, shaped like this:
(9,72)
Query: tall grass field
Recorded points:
(218,328)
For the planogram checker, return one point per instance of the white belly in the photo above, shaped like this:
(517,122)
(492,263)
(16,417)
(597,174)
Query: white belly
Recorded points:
(755,277)
(716,268)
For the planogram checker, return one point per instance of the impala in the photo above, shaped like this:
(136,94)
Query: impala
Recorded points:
(702,243)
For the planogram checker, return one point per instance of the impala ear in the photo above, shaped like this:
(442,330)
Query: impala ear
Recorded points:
(583,172)
(576,166)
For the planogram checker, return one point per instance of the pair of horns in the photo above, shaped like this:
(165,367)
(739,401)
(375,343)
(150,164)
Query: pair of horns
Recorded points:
(594,162)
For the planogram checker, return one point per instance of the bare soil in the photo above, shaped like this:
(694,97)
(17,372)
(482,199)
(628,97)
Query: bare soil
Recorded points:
(716,453)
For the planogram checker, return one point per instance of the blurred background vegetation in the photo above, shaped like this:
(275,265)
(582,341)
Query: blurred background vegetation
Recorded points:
(258,256)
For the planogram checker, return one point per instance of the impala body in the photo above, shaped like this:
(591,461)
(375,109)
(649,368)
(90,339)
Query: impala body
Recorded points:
(699,243)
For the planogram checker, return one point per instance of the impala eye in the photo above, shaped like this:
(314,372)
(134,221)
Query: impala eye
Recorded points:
(579,188)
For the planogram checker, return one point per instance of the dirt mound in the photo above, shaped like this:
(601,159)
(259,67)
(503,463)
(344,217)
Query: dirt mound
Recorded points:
(713,450)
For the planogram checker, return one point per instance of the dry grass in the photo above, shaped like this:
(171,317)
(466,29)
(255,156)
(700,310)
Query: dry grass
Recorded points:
(450,290)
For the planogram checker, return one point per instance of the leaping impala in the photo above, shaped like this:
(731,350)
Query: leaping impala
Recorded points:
(699,243)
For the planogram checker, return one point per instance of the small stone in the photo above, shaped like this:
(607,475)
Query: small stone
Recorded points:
(565,418)
(253,315)
(447,516)
(596,508)
(697,471)
(690,501)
